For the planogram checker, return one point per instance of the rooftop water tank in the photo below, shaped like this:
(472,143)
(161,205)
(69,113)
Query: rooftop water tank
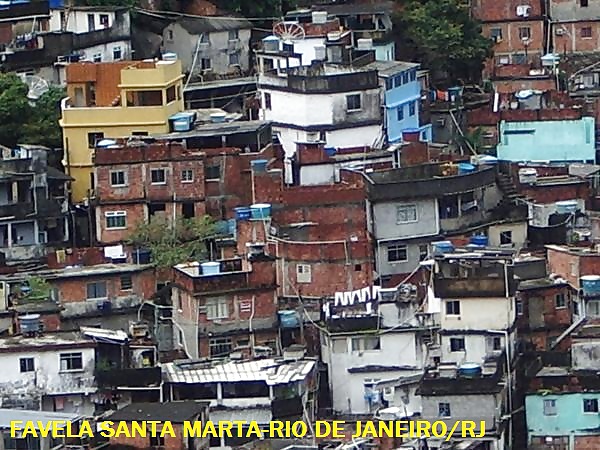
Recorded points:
(465,168)
(211,268)
(527,176)
(242,213)
(470,370)
(29,324)
(590,284)
(319,17)
(330,151)
(170,56)
(479,239)
(271,44)
(364,44)
(261,210)
(218,117)
(259,165)
(411,135)
(566,207)
(289,319)
(441,247)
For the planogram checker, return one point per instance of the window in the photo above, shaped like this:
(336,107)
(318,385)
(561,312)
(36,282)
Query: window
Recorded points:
(496,34)
(187,176)
(453,308)
(116,220)
(549,407)
(444,409)
(117,53)
(97,57)
(157,440)
(171,96)
(398,81)
(234,59)
(493,344)
(217,308)
(158,176)
(27,365)
(590,405)
(524,33)
(234,34)
(583,3)
(212,173)
(559,301)
(586,32)
(71,361)
(413,75)
(506,238)
(397,253)
(353,102)
(170,35)
(96,290)
(91,22)
(220,347)
(400,113)
(267,101)
(205,63)
(362,344)
(457,344)
(118,178)
(423,252)
(93,139)
(519,307)
(406,213)
(104,20)
(126,283)
(405,78)
(389,84)
(518,58)
(303,273)
(412,108)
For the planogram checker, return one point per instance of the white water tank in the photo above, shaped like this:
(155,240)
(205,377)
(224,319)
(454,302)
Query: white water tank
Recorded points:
(527,176)
(271,44)
(319,17)
(364,44)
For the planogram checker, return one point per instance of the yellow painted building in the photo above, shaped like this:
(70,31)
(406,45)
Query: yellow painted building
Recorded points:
(114,100)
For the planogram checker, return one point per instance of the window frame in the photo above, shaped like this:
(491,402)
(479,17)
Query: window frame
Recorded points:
(353,108)
(211,177)
(442,408)
(407,207)
(114,215)
(460,348)
(524,33)
(549,407)
(117,172)
(28,367)
(184,175)
(451,308)
(560,304)
(114,52)
(158,170)
(128,278)
(398,249)
(412,108)
(586,402)
(70,356)
(92,283)
(217,309)
(589,33)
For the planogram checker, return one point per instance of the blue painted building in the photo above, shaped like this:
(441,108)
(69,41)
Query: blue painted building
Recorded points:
(548,140)
(401,99)
(562,417)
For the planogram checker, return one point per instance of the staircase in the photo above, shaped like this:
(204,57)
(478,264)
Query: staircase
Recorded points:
(511,199)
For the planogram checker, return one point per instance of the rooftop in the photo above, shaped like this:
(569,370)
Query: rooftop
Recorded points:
(219,129)
(53,339)
(541,283)
(578,251)
(198,25)
(34,417)
(78,271)
(177,412)
(566,12)
(391,68)
(271,371)
(347,9)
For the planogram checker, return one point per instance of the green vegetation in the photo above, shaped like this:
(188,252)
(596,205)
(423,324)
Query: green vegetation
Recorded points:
(173,244)
(39,289)
(442,35)
(25,123)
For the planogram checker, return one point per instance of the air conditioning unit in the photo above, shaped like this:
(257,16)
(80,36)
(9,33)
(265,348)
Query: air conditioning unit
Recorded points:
(559,31)
(388,393)
(523,10)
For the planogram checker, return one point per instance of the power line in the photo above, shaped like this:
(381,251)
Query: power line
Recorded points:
(171,14)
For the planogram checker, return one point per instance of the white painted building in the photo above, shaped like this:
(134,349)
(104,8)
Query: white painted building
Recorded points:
(51,372)
(83,19)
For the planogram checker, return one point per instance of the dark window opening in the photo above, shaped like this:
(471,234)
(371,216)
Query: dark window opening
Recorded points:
(144,98)
(157,209)
(188,210)
(448,207)
(93,139)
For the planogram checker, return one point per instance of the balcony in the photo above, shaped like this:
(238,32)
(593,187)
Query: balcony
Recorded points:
(143,377)
(425,181)
(162,74)
(17,210)
(354,323)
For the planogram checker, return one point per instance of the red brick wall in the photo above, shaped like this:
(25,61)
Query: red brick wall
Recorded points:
(587,442)
(260,338)
(565,264)
(171,443)
(511,41)
(493,10)
(566,43)
(135,214)
(549,194)
(75,289)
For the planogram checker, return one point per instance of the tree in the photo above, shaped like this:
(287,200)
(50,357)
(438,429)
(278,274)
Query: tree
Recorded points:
(260,8)
(444,38)
(43,127)
(174,244)
(22,122)
(15,109)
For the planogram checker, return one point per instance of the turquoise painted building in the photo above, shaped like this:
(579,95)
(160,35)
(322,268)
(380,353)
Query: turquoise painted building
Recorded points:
(385,51)
(401,99)
(548,140)
(567,416)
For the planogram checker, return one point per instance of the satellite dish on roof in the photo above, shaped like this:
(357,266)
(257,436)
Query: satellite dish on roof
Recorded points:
(37,86)
(289,31)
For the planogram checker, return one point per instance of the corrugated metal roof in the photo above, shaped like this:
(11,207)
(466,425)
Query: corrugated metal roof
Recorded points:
(271,371)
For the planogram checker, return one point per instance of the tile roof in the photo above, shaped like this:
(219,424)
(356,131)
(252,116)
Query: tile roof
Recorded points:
(271,371)
(176,412)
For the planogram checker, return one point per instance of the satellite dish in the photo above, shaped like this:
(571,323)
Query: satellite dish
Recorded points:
(37,86)
(289,31)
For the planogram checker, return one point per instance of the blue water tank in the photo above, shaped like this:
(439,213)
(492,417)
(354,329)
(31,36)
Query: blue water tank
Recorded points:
(441,247)
(259,165)
(261,210)
(590,285)
(465,168)
(289,319)
(470,370)
(211,268)
(30,323)
(566,207)
(231,226)
(479,239)
(330,151)
(242,213)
